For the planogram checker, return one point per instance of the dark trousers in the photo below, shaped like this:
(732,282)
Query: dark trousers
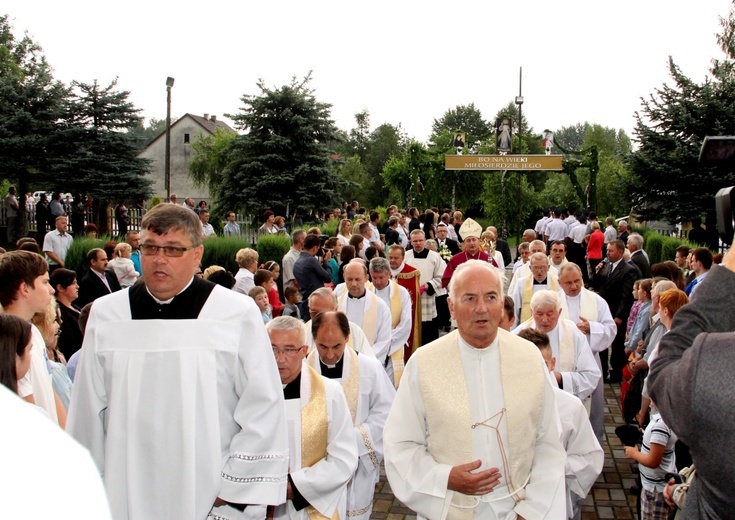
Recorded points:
(617,354)
(429,331)
(443,318)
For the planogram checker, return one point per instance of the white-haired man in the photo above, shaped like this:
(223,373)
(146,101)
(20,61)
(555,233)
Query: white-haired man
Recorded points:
(537,246)
(494,449)
(577,372)
(593,318)
(322,449)
(369,395)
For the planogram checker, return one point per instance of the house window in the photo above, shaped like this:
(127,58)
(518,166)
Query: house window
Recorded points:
(186,139)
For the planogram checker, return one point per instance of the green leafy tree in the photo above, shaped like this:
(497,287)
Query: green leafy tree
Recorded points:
(31,104)
(211,156)
(403,174)
(452,188)
(667,181)
(141,135)
(463,118)
(284,160)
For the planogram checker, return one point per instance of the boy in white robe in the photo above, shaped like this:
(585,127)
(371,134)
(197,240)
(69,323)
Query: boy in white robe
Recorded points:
(323,454)
(369,395)
(584,453)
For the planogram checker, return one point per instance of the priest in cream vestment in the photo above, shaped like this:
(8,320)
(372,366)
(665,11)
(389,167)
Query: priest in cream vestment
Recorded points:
(537,246)
(593,318)
(369,395)
(540,279)
(472,433)
(577,372)
(322,450)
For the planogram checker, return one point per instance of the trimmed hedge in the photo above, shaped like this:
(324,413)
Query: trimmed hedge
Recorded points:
(660,247)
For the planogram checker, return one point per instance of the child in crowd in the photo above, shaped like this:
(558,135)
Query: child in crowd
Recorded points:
(334,245)
(293,298)
(123,266)
(635,308)
(260,295)
(15,350)
(655,459)
(273,297)
(584,454)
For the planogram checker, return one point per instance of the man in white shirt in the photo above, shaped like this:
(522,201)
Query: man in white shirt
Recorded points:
(556,228)
(207,229)
(375,231)
(494,451)
(289,259)
(56,243)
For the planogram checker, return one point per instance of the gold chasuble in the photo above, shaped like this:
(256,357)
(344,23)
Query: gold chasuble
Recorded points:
(552,285)
(314,430)
(447,403)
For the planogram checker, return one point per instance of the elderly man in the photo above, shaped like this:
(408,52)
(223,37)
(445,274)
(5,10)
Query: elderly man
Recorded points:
(494,450)
(322,450)
(431,266)
(577,372)
(185,420)
(365,309)
(369,396)
(528,236)
(98,281)
(540,279)
(623,232)
(637,255)
(56,243)
(524,251)
(289,259)
(592,316)
(537,246)
(324,300)
(409,278)
(470,231)
(399,302)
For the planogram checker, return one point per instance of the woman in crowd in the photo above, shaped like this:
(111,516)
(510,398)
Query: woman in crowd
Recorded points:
(344,230)
(64,282)
(348,253)
(247,259)
(594,246)
(356,241)
(269,226)
(48,323)
(15,350)
(280,224)
(429,225)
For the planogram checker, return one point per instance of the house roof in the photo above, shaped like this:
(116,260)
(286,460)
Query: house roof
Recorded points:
(207,125)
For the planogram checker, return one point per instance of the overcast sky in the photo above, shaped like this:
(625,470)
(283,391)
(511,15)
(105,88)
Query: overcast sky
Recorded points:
(405,62)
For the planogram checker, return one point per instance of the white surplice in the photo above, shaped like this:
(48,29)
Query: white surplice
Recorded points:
(356,308)
(421,483)
(582,380)
(602,333)
(324,484)
(179,412)
(525,270)
(584,454)
(375,398)
(37,381)
(358,341)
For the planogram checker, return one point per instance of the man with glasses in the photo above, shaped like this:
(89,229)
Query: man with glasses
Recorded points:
(539,280)
(189,418)
(322,449)
(369,395)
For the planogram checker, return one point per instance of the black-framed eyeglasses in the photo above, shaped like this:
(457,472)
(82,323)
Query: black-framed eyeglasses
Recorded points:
(172,251)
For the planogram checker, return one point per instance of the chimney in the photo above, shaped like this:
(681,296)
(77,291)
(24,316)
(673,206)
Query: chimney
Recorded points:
(213,119)
(206,117)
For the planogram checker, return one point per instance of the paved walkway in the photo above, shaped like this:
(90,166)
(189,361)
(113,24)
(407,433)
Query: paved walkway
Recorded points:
(610,497)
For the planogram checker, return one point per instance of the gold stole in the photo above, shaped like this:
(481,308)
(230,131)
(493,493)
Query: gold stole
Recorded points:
(566,346)
(370,315)
(314,430)
(444,390)
(350,377)
(395,310)
(552,285)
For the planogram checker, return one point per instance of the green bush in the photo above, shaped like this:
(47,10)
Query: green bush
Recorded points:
(76,257)
(653,245)
(273,247)
(221,251)
(660,247)
(329,228)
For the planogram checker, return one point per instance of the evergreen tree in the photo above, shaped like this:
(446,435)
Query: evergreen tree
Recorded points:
(462,118)
(283,162)
(668,181)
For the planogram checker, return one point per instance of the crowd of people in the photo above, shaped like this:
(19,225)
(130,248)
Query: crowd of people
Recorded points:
(205,394)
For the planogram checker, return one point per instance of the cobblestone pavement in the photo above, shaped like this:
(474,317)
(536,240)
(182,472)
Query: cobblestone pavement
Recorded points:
(610,497)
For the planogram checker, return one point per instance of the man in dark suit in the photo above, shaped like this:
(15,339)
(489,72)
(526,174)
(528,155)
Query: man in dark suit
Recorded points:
(691,384)
(98,281)
(638,255)
(442,240)
(613,280)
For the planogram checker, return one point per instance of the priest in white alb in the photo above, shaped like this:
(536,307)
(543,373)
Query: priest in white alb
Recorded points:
(323,300)
(540,279)
(576,371)
(177,395)
(365,309)
(322,451)
(472,432)
(536,246)
(398,301)
(592,317)
(369,395)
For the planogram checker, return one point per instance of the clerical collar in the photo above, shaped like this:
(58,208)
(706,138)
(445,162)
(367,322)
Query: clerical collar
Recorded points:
(536,282)
(357,297)
(164,302)
(396,272)
(292,390)
(423,254)
(184,306)
(332,371)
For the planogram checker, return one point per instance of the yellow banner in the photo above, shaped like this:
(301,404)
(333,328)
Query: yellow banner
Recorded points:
(502,162)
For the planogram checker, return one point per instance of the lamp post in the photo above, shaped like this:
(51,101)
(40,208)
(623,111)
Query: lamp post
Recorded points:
(167,170)
(519,102)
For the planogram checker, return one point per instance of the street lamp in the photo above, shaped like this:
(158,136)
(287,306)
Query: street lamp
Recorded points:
(167,174)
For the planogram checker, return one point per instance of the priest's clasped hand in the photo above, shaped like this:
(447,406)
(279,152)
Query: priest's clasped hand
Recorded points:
(463,480)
